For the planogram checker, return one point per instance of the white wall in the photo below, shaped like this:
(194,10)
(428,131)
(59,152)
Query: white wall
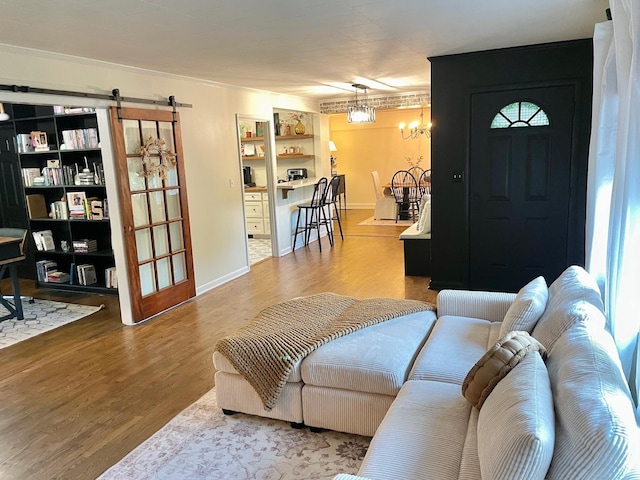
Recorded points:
(208,132)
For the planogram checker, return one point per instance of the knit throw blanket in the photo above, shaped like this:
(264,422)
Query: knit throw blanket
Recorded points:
(265,351)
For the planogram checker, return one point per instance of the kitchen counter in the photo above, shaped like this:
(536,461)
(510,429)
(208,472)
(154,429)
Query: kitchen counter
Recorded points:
(255,189)
(286,187)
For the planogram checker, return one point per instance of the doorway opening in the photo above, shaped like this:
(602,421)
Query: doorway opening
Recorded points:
(257,177)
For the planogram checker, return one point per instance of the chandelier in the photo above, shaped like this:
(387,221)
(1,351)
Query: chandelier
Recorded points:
(361,112)
(416,129)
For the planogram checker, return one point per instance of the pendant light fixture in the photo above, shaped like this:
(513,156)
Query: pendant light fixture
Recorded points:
(361,112)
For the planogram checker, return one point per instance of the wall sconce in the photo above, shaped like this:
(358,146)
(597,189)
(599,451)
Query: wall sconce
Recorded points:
(416,128)
(3,115)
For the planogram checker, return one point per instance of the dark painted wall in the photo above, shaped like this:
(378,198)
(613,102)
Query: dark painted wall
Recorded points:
(454,78)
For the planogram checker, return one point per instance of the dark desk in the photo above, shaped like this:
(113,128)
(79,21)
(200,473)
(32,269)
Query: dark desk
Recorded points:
(10,255)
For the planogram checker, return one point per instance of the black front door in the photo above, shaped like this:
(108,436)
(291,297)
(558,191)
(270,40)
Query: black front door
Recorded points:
(519,180)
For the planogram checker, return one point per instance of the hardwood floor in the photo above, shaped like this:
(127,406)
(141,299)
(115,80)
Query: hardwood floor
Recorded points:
(75,400)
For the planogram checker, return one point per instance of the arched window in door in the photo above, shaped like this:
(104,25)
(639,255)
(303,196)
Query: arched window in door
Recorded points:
(520,114)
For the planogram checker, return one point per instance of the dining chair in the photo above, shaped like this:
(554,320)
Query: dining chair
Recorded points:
(385,208)
(424,182)
(315,215)
(406,192)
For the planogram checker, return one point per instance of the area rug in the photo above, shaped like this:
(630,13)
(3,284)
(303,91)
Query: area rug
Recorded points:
(203,443)
(39,317)
(390,223)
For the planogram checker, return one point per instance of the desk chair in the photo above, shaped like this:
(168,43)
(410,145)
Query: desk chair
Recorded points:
(12,252)
(315,215)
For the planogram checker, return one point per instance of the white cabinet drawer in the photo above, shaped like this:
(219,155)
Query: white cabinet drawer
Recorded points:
(253,197)
(253,209)
(255,228)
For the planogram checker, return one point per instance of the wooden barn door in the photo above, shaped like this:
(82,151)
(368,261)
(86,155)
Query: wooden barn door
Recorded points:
(155,214)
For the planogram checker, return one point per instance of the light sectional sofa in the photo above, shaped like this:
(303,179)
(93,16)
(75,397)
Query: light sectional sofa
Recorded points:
(563,411)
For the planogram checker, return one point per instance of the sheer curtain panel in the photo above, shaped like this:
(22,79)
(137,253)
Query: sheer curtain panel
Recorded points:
(613,190)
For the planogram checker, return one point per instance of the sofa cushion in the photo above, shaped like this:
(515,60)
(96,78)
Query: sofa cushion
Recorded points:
(452,348)
(596,431)
(573,297)
(527,308)
(422,436)
(376,359)
(495,364)
(516,424)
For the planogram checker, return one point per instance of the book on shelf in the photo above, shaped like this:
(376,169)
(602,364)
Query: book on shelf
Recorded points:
(110,277)
(73,274)
(87,274)
(44,240)
(36,206)
(85,245)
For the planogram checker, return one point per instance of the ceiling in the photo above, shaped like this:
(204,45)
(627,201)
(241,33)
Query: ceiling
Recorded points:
(309,48)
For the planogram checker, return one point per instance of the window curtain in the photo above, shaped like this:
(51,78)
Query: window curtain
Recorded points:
(613,185)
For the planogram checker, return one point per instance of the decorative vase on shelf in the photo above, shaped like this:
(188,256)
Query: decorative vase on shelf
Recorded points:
(285,130)
(299,128)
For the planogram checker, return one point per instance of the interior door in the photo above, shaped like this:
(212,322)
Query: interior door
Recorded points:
(155,214)
(519,174)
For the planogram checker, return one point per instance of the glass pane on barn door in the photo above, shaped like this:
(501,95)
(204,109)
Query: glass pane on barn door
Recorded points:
(135,171)
(179,268)
(147,279)
(173,204)
(156,201)
(164,273)
(131,130)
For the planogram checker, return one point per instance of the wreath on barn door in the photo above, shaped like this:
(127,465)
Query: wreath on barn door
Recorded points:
(155,148)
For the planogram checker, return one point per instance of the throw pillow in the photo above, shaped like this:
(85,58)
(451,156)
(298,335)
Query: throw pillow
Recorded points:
(424,221)
(516,426)
(527,308)
(496,363)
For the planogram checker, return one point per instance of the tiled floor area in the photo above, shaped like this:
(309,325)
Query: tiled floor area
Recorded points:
(259,249)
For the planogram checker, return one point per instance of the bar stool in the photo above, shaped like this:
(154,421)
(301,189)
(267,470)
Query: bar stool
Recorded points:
(332,203)
(315,215)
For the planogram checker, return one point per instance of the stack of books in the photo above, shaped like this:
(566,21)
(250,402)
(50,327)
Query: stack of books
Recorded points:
(76,205)
(87,274)
(85,245)
(44,269)
(44,240)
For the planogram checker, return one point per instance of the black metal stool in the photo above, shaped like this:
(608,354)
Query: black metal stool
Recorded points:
(315,215)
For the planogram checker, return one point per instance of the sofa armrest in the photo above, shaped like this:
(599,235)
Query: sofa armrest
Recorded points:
(490,306)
